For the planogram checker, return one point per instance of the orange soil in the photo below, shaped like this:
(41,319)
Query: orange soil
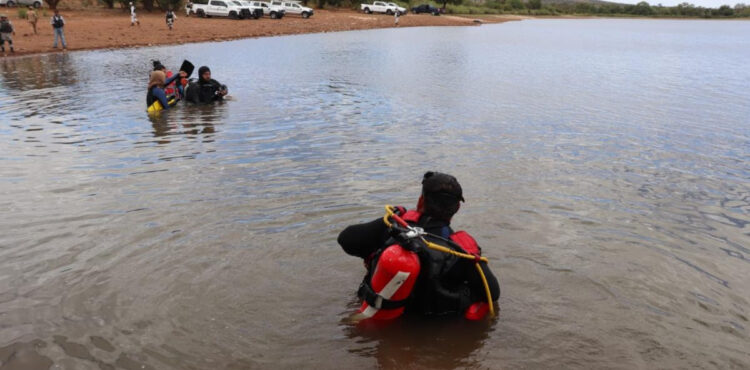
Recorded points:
(101,29)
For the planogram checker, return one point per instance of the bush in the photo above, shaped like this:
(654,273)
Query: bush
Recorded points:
(22,13)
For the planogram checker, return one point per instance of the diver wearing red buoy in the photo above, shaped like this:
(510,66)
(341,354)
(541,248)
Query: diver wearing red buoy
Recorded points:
(403,275)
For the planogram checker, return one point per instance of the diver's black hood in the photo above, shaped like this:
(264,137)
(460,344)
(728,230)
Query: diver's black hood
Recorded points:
(201,71)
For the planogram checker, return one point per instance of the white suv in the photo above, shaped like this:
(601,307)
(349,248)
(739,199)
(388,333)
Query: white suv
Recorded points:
(293,7)
(34,3)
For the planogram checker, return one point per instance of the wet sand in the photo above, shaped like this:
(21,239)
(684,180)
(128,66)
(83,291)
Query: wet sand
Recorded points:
(103,29)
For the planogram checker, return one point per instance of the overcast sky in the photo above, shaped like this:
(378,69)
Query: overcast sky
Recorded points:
(703,3)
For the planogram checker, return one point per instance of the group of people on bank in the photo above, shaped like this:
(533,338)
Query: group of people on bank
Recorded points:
(7,31)
(166,89)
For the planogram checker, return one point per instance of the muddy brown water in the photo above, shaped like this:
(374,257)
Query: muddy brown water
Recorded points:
(604,163)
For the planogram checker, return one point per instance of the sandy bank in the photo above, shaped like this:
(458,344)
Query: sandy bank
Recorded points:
(102,29)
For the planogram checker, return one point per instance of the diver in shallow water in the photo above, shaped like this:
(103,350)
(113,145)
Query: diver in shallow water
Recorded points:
(174,89)
(446,284)
(156,85)
(206,89)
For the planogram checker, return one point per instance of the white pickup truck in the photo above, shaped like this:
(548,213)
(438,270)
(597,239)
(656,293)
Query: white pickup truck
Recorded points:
(379,7)
(401,10)
(294,7)
(273,11)
(221,8)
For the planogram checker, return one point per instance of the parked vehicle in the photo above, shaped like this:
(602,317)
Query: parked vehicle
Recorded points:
(427,8)
(221,8)
(273,11)
(293,7)
(401,10)
(34,3)
(255,12)
(379,7)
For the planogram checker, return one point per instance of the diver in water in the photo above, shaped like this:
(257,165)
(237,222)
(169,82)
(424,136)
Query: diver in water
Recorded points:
(173,89)
(206,89)
(446,284)
(156,85)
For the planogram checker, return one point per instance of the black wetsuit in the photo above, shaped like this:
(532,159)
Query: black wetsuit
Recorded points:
(459,278)
(201,92)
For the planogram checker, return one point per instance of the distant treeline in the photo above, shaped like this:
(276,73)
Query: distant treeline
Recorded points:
(642,9)
(524,7)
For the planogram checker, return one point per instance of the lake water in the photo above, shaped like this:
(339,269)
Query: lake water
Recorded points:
(604,164)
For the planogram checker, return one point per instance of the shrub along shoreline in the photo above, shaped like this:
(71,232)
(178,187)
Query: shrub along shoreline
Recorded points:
(498,7)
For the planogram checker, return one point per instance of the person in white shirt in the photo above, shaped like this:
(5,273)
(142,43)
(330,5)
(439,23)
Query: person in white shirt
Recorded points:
(133,18)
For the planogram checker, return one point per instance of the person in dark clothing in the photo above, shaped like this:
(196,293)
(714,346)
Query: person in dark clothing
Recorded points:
(58,24)
(6,33)
(446,284)
(206,89)
(170,17)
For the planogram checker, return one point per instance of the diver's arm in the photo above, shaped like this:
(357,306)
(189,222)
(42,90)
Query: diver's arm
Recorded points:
(477,285)
(363,239)
(220,89)
(171,79)
(159,94)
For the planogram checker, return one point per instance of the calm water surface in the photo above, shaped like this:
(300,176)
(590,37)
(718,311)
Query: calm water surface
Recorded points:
(604,163)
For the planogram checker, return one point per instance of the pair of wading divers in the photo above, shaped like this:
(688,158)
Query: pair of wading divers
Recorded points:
(165,89)
(416,263)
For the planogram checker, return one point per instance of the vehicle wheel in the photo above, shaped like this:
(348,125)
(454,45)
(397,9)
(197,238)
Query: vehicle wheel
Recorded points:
(274,15)
(37,4)
(389,12)
(368,11)
(10,3)
(305,15)
(201,13)
(233,15)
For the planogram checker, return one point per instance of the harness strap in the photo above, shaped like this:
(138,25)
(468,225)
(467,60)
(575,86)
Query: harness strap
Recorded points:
(375,300)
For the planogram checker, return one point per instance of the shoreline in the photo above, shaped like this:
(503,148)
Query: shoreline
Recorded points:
(110,29)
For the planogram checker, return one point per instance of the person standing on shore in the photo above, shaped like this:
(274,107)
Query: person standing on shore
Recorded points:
(6,32)
(188,8)
(58,23)
(32,18)
(133,17)
(170,18)
(395,18)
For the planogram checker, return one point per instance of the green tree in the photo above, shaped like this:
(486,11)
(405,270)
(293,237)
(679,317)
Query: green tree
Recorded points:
(642,8)
(726,11)
(148,4)
(453,2)
(584,8)
(534,4)
(52,3)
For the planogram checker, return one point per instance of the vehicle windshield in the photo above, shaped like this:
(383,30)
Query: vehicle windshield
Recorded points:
(237,3)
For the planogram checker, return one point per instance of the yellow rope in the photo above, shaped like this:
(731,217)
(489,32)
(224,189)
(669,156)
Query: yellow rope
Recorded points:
(389,213)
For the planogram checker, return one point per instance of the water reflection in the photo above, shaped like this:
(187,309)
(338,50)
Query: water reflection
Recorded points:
(26,74)
(415,343)
(608,189)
